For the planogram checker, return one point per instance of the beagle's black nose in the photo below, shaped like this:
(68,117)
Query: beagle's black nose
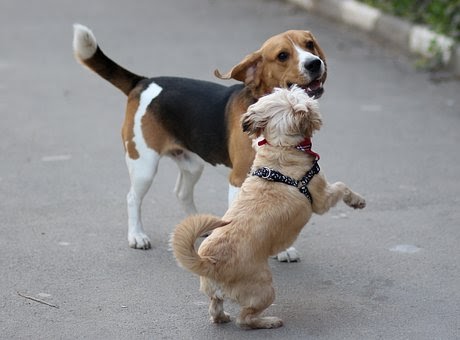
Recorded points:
(313,65)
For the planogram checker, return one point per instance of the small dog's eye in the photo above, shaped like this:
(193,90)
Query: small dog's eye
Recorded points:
(283,56)
(310,45)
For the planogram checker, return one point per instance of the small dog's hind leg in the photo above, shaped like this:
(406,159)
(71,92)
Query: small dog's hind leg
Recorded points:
(141,172)
(216,310)
(191,167)
(251,320)
(249,317)
(216,307)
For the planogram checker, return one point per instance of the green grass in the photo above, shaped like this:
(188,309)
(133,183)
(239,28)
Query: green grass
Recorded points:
(442,16)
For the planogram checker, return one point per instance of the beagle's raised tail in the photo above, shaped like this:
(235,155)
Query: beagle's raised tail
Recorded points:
(88,53)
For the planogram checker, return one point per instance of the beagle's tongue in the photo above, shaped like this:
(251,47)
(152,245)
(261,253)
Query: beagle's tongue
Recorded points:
(314,85)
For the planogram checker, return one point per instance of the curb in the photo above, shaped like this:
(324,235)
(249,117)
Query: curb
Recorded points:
(409,37)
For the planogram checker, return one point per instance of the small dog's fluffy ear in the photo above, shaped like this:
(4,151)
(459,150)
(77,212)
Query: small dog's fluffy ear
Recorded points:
(314,121)
(251,125)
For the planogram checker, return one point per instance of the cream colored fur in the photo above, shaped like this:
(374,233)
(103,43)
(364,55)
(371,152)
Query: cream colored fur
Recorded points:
(265,218)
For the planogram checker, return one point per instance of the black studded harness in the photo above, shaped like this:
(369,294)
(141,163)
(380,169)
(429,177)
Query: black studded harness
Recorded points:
(302,184)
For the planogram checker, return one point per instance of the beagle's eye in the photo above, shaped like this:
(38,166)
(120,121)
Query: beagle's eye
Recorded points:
(283,56)
(310,45)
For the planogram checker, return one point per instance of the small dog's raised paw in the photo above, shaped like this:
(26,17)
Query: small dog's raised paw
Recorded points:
(360,204)
(355,201)
(288,255)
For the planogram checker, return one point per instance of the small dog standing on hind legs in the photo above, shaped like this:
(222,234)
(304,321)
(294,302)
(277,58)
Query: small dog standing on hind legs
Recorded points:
(275,202)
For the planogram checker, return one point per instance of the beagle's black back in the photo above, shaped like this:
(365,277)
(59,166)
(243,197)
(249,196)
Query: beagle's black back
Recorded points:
(194,111)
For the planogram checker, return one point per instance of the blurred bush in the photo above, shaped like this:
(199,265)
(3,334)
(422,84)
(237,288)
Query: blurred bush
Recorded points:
(442,16)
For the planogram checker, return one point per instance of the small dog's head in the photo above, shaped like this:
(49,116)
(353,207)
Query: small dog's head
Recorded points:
(284,117)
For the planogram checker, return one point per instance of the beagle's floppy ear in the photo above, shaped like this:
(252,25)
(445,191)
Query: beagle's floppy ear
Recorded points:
(247,71)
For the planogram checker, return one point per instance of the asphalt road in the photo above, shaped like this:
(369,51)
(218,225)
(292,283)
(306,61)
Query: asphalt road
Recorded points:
(390,271)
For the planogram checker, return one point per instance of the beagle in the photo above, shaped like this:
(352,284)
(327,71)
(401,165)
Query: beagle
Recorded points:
(194,121)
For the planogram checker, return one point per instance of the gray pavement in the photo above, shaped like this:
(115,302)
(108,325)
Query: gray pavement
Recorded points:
(390,271)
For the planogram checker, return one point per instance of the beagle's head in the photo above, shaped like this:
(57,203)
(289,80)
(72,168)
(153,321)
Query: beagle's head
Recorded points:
(284,117)
(290,58)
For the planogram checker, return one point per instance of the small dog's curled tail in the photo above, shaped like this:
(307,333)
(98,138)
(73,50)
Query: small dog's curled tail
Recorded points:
(183,243)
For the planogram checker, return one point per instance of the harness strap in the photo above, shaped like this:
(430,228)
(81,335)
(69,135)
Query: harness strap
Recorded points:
(276,176)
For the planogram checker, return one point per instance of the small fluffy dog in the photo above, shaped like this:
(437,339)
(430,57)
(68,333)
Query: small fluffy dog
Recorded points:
(275,202)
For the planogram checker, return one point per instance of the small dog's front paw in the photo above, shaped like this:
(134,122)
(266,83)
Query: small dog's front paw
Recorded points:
(288,255)
(139,241)
(355,201)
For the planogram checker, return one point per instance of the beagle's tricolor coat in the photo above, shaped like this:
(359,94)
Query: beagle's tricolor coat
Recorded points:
(194,121)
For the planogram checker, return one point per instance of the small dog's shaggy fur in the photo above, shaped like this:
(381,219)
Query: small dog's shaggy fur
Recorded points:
(265,218)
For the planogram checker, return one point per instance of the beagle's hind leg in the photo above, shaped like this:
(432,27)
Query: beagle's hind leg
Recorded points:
(141,172)
(289,255)
(191,167)
(142,160)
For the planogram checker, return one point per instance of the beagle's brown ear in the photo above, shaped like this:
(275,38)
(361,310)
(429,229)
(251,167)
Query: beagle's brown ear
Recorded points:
(245,71)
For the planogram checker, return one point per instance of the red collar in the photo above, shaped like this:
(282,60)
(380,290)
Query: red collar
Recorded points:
(304,146)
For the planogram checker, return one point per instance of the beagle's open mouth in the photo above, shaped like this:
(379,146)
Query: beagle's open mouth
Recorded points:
(314,89)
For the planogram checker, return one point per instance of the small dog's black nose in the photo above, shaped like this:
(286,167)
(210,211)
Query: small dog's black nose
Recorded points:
(313,65)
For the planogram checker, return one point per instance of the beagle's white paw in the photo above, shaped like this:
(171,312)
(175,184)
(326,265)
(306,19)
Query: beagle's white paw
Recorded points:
(139,241)
(288,255)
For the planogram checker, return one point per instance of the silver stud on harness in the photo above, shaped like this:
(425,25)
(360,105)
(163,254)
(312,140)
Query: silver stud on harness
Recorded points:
(276,176)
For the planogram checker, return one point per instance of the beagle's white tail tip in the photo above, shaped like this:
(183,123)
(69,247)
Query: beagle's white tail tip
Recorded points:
(84,42)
